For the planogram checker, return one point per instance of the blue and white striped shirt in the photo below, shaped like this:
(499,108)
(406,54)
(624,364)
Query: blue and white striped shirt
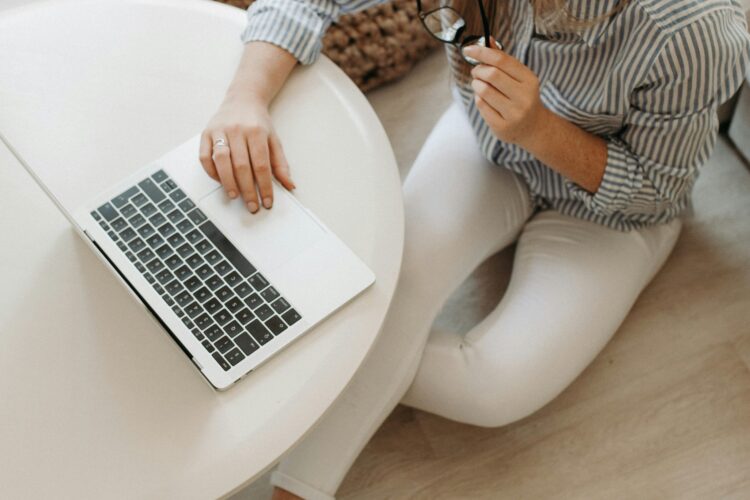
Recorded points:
(648,80)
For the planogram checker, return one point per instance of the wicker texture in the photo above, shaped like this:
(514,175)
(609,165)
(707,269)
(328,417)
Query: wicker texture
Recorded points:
(377,45)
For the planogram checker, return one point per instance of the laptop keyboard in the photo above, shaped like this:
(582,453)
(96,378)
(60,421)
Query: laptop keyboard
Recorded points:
(228,305)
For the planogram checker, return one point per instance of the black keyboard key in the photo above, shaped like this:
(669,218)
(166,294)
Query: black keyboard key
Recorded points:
(245,316)
(183,273)
(264,312)
(214,282)
(128,234)
(194,260)
(192,283)
(280,305)
(137,245)
(124,197)
(246,343)
(175,216)
(149,277)
(166,206)
(259,332)
(185,225)
(193,309)
(137,220)
(205,272)
(119,224)
(225,247)
(213,333)
(127,210)
(165,276)
(243,289)
(151,190)
(203,321)
(224,293)
(96,215)
(186,205)
(148,209)
(184,298)
(168,185)
(224,344)
(155,241)
(173,262)
(203,245)
(222,317)
(291,317)
(254,301)
(197,333)
(212,306)
(155,266)
(174,287)
(276,325)
(159,289)
(194,236)
(146,231)
(234,356)
(188,323)
(224,365)
(213,257)
(167,230)
(233,278)
(269,294)
(233,329)
(202,294)
(157,219)
(164,251)
(146,255)
(197,217)
(178,311)
(176,240)
(185,250)
(104,225)
(122,246)
(139,199)
(258,281)
(209,346)
(234,304)
(160,176)
(222,267)
(140,267)
(168,300)
(113,236)
(177,195)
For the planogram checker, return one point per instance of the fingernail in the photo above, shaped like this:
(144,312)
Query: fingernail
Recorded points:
(232,194)
(252,206)
(267,202)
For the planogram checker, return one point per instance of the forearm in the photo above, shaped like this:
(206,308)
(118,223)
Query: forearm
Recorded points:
(261,73)
(568,149)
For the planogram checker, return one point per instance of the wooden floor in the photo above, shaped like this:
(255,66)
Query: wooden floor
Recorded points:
(663,412)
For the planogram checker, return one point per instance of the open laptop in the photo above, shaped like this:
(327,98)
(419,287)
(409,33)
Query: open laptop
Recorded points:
(230,287)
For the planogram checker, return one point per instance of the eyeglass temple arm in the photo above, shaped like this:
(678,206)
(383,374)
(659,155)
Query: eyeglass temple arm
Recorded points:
(485,24)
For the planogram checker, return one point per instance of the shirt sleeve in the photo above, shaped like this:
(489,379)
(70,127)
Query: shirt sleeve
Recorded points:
(672,125)
(297,26)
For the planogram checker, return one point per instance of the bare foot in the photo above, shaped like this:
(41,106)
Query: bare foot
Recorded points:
(281,494)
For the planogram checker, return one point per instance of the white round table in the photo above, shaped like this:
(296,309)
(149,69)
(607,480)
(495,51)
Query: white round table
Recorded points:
(95,400)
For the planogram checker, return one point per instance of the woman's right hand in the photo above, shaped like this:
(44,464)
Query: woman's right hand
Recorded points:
(252,152)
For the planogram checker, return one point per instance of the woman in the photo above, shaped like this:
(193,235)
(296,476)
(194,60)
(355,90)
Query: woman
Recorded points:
(581,139)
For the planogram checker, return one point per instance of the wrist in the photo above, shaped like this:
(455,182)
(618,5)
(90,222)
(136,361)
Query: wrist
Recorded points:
(247,96)
(541,131)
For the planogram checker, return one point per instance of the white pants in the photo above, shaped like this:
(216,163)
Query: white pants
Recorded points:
(573,283)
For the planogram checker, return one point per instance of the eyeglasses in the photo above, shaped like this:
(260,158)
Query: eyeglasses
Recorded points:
(447,25)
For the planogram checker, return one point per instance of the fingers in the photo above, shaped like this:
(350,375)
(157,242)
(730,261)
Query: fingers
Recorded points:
(500,60)
(223,161)
(260,158)
(490,114)
(279,163)
(205,156)
(243,172)
(498,79)
(489,94)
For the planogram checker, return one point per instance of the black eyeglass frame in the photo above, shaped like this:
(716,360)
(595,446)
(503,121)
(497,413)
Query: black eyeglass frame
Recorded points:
(458,39)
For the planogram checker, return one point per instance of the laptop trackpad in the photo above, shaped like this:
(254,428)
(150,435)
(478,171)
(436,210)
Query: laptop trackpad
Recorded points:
(268,238)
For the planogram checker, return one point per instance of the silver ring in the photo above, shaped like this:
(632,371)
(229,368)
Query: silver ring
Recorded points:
(219,143)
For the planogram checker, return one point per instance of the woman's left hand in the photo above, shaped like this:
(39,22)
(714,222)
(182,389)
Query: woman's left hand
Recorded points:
(506,94)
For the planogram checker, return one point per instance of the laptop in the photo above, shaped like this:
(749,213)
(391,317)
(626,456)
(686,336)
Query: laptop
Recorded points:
(231,288)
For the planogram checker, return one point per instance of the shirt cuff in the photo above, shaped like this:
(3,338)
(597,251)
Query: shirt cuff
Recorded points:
(292,25)
(619,182)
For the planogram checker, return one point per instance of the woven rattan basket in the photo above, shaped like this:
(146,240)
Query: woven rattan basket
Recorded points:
(377,45)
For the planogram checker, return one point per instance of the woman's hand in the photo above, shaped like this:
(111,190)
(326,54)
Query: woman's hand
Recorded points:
(506,94)
(252,153)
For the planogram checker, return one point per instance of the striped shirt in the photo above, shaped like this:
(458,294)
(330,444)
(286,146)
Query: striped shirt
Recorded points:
(648,80)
